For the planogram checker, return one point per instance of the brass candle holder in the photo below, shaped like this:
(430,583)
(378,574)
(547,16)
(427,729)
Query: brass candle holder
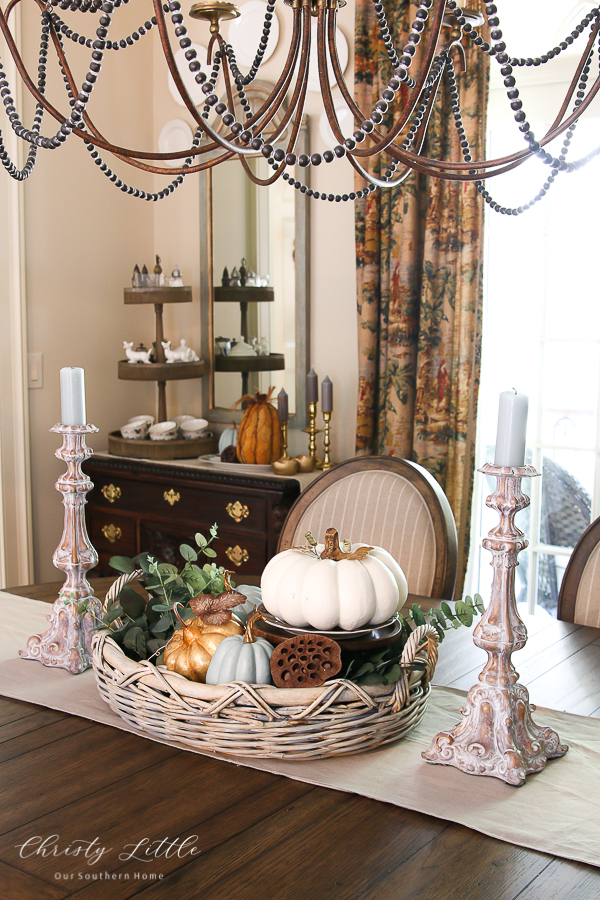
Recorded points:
(497,736)
(67,644)
(327,464)
(284,440)
(312,432)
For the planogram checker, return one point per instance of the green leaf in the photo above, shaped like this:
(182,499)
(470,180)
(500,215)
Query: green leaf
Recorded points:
(140,645)
(372,678)
(122,564)
(188,553)
(464,613)
(469,602)
(418,617)
(365,669)
(439,630)
(141,560)
(479,603)
(447,610)
(112,614)
(213,530)
(132,603)
(163,624)
(393,674)
(167,569)
(132,636)
(201,540)
(440,617)
(208,551)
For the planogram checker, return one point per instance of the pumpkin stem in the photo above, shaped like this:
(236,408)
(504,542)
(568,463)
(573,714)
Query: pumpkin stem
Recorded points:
(249,633)
(332,545)
(175,605)
(226,581)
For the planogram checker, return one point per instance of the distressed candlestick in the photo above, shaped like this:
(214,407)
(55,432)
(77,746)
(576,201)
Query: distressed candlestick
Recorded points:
(327,464)
(497,736)
(67,644)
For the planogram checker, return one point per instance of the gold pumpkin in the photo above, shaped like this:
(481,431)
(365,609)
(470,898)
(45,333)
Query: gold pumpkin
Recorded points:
(259,436)
(191,647)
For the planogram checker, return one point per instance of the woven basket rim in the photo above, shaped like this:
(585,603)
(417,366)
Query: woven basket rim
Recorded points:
(148,673)
(421,646)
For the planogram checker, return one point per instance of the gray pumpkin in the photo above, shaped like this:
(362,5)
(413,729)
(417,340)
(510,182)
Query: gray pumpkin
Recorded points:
(240,658)
(254,598)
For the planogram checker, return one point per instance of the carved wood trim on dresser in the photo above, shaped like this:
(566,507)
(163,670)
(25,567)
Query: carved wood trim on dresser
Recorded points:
(138,505)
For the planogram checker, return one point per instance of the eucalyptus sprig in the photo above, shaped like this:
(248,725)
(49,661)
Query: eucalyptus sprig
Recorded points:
(383,666)
(142,626)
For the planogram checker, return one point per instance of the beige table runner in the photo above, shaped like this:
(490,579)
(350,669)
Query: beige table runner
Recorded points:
(556,811)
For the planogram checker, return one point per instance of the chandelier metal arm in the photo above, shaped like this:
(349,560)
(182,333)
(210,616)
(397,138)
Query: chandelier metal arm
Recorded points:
(414,97)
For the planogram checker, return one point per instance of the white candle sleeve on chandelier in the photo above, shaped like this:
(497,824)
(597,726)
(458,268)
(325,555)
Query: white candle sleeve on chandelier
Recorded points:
(512,429)
(72,396)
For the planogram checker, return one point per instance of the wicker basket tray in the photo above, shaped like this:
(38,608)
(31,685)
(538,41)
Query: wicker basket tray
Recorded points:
(240,719)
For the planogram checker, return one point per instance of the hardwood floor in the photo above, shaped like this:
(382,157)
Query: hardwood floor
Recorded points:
(260,836)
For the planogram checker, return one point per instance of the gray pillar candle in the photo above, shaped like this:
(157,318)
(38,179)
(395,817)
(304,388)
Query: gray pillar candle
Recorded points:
(312,387)
(327,395)
(282,406)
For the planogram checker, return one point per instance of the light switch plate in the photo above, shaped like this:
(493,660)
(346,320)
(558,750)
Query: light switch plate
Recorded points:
(35,370)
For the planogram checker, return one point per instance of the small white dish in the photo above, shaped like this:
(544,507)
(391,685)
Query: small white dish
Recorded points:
(242,349)
(134,431)
(163,431)
(180,419)
(193,428)
(147,420)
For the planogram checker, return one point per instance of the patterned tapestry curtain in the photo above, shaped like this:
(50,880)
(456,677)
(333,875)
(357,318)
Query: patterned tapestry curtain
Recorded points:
(419,251)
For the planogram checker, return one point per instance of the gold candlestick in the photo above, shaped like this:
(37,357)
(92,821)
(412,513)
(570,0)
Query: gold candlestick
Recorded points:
(327,464)
(67,644)
(284,440)
(497,735)
(312,431)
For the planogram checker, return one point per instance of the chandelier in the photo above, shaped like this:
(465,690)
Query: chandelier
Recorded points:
(271,131)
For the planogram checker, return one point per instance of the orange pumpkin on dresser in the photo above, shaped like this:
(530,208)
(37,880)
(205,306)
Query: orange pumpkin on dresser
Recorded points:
(259,436)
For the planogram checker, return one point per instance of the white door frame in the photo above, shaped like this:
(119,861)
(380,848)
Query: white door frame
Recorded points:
(16,556)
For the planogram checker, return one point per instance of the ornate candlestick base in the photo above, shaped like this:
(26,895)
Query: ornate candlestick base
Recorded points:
(498,736)
(67,644)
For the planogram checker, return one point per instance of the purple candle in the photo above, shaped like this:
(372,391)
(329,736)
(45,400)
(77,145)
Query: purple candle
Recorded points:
(327,395)
(282,406)
(312,387)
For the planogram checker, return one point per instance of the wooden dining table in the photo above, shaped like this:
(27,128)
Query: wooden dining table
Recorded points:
(93,812)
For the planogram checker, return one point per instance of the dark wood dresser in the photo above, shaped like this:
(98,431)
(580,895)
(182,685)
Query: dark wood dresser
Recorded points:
(139,505)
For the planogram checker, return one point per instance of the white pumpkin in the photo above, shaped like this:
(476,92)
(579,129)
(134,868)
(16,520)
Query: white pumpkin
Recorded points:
(303,589)
(228,438)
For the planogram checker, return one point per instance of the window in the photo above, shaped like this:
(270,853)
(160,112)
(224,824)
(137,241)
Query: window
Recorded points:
(542,326)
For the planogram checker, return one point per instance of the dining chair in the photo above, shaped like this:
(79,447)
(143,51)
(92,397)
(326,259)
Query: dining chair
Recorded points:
(390,503)
(579,596)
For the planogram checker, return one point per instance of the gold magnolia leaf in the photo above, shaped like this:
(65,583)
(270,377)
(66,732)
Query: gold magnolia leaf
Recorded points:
(360,553)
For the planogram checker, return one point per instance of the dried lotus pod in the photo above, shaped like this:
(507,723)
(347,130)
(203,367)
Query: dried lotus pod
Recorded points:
(306,660)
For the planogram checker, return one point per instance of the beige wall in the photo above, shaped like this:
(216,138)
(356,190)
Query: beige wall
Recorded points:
(82,237)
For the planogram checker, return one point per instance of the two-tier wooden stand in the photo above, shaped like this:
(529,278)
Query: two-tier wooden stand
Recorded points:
(160,371)
(247,364)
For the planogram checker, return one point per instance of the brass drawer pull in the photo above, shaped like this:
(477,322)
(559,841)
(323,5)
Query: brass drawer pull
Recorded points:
(237,511)
(237,555)
(171,497)
(111,493)
(111,532)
